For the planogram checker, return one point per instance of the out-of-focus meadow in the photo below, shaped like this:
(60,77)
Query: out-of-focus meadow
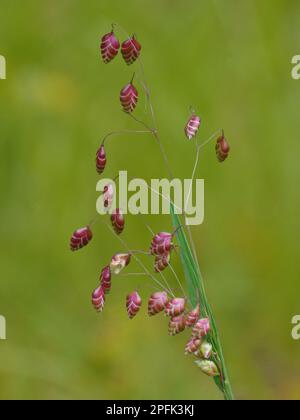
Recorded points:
(230,60)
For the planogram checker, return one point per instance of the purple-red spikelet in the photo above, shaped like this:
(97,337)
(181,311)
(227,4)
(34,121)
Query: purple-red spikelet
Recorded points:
(129,98)
(222,149)
(131,50)
(162,262)
(157,303)
(201,328)
(118,221)
(101,160)
(133,304)
(108,195)
(192,127)
(105,279)
(175,307)
(98,299)
(109,47)
(192,346)
(193,316)
(161,244)
(81,238)
(176,325)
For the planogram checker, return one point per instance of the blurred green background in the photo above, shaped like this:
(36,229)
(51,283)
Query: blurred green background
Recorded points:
(230,60)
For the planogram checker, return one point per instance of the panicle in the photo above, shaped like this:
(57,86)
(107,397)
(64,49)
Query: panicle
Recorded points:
(201,344)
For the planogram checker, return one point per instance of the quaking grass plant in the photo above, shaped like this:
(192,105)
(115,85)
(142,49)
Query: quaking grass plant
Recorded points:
(191,310)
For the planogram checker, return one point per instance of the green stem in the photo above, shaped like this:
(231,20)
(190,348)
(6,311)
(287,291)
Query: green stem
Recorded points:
(226,385)
(197,291)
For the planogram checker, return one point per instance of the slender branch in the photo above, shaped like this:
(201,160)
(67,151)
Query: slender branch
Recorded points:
(132,274)
(167,284)
(199,147)
(155,133)
(151,130)
(212,137)
(150,230)
(140,275)
(177,279)
(124,132)
(193,175)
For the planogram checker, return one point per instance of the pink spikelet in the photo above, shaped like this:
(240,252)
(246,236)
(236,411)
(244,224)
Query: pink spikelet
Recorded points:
(119,262)
(192,127)
(162,262)
(133,304)
(98,299)
(192,346)
(222,149)
(175,307)
(129,98)
(101,160)
(157,303)
(176,325)
(108,195)
(81,238)
(131,50)
(193,317)
(109,47)
(105,279)
(161,244)
(201,328)
(118,221)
